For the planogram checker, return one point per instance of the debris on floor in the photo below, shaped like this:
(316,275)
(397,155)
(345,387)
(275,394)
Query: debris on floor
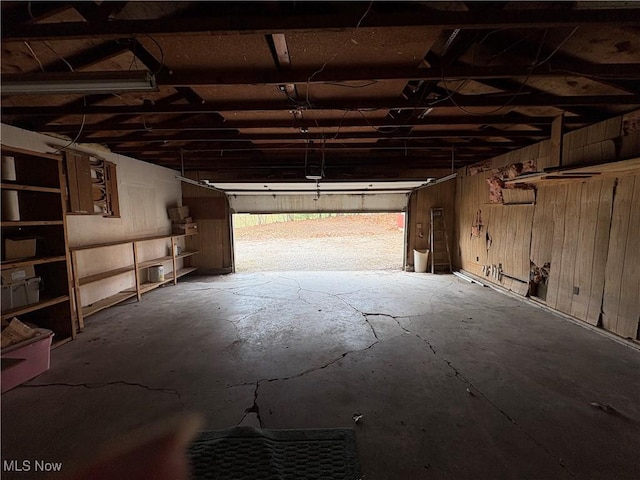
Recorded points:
(605,408)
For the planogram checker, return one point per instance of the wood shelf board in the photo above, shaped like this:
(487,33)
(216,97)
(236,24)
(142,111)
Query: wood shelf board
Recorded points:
(155,261)
(184,271)
(104,275)
(29,188)
(150,239)
(31,153)
(32,223)
(132,240)
(148,286)
(580,173)
(31,261)
(180,235)
(47,302)
(107,302)
(187,254)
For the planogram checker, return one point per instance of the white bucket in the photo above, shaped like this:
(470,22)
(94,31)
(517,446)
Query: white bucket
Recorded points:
(420,260)
(156,274)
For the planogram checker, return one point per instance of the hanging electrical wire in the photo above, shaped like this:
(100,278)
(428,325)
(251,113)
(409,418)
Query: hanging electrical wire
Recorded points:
(324,65)
(84,118)
(522,85)
(59,56)
(161,65)
(34,55)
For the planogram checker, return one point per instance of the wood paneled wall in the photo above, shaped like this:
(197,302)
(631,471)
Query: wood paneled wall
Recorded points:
(621,305)
(580,220)
(210,210)
(501,238)
(587,230)
(441,195)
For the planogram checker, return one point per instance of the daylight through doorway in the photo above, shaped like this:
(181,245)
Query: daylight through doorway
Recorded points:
(318,242)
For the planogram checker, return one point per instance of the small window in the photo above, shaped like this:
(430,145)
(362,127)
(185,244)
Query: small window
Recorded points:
(93,185)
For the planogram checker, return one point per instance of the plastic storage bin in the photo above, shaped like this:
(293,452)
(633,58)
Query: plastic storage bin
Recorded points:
(19,294)
(26,360)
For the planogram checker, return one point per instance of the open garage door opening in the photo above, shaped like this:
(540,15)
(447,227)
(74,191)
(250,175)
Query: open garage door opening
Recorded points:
(318,241)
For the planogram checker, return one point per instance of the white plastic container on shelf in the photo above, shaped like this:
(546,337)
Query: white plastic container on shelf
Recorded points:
(21,293)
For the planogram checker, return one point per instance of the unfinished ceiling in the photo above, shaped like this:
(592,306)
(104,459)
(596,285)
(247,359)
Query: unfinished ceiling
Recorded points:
(381,90)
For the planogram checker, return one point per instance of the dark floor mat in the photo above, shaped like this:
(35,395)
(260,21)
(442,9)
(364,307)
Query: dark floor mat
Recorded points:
(247,453)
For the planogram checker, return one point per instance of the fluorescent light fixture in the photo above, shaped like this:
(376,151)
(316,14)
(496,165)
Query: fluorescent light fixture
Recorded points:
(78,82)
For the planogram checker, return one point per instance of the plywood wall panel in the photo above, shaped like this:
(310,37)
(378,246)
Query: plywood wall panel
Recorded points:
(592,144)
(509,228)
(582,214)
(621,303)
(542,234)
(472,195)
(600,250)
(569,248)
(629,307)
(585,249)
(518,196)
(571,226)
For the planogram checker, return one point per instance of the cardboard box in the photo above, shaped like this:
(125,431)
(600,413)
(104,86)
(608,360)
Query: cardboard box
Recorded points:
(20,294)
(15,275)
(178,213)
(26,360)
(185,228)
(17,248)
(184,220)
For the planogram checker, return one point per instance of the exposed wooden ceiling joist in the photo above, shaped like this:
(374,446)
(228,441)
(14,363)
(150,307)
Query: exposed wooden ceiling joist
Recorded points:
(384,124)
(266,24)
(388,103)
(389,88)
(299,137)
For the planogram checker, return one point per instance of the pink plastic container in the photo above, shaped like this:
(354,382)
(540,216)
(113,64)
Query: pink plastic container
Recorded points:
(26,360)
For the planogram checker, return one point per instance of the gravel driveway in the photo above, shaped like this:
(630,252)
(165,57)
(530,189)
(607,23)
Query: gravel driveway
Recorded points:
(349,242)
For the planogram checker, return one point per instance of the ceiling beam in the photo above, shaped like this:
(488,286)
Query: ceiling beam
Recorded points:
(233,160)
(380,103)
(375,123)
(300,137)
(261,23)
(204,77)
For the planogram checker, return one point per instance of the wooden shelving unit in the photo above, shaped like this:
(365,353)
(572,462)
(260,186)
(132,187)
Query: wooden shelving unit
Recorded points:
(37,186)
(137,256)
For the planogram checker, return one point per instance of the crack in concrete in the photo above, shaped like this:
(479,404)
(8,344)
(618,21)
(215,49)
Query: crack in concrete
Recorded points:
(366,319)
(462,378)
(305,372)
(254,408)
(169,391)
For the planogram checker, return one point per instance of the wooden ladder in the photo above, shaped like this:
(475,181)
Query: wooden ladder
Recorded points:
(440,261)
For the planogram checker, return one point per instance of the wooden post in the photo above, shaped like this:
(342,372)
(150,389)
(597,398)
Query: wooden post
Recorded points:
(555,152)
(136,270)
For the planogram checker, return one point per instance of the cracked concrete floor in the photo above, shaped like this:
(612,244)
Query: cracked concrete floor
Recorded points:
(453,380)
